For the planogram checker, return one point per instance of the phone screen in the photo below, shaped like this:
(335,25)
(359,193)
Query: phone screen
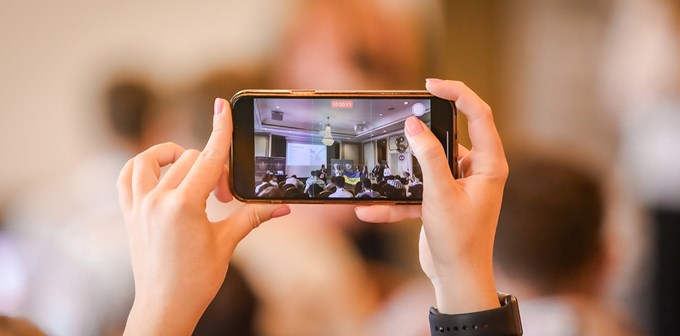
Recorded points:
(331,149)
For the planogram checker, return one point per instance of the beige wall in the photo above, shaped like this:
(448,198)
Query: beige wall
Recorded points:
(55,55)
(369,154)
(350,151)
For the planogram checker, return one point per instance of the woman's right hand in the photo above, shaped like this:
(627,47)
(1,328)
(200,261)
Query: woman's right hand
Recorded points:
(459,215)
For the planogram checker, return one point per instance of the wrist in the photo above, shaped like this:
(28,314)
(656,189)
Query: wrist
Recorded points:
(148,317)
(465,292)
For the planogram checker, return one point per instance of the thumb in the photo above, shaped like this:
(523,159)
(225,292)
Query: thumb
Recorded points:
(428,150)
(248,217)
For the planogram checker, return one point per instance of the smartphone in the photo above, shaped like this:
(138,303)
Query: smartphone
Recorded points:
(306,146)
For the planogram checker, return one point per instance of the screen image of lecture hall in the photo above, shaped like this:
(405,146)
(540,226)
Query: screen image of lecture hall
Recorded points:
(336,148)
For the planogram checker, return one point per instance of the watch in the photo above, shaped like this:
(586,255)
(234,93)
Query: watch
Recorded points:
(501,321)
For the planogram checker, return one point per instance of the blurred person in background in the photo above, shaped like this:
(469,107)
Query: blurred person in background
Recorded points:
(551,249)
(641,87)
(358,45)
(70,233)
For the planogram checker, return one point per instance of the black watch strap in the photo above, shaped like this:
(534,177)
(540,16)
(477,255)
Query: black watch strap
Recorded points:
(502,321)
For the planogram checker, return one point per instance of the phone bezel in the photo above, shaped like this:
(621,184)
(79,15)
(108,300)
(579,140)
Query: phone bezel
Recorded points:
(243,146)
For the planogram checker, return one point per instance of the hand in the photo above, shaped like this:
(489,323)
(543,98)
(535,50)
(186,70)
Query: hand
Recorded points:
(179,257)
(459,215)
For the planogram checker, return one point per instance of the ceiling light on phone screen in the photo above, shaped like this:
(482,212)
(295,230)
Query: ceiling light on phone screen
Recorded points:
(418,109)
(326,132)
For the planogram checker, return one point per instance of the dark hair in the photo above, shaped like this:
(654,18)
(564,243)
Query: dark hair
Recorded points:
(339,181)
(550,225)
(287,186)
(270,192)
(266,177)
(366,182)
(357,188)
(294,193)
(128,105)
(315,173)
(395,193)
(314,190)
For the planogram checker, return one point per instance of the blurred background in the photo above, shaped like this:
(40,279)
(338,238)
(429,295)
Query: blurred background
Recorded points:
(592,85)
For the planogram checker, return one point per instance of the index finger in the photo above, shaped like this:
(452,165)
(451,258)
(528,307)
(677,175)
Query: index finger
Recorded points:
(206,171)
(483,133)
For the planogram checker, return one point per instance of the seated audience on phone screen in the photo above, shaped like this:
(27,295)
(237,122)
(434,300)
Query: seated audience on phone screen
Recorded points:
(331,187)
(358,188)
(314,180)
(415,180)
(368,189)
(394,182)
(395,193)
(294,192)
(415,191)
(285,187)
(266,182)
(340,192)
(405,178)
(270,191)
(314,191)
(294,181)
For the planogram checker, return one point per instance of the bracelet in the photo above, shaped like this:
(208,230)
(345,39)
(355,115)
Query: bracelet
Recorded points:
(502,321)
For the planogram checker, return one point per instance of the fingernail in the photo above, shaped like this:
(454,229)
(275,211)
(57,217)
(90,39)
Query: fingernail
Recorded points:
(219,105)
(279,212)
(433,80)
(413,126)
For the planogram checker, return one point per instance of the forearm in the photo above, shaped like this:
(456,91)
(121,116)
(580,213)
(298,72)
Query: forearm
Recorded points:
(153,318)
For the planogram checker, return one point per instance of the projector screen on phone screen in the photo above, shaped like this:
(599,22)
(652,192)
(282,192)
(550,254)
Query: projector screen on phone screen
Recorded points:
(301,158)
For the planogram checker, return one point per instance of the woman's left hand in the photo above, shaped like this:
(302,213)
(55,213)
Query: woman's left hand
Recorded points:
(179,257)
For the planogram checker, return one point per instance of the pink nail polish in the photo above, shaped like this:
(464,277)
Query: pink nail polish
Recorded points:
(433,80)
(413,126)
(219,105)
